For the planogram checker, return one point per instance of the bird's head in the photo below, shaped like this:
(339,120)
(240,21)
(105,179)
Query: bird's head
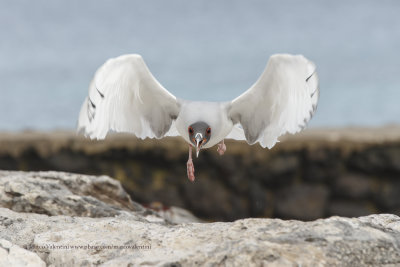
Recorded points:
(199,135)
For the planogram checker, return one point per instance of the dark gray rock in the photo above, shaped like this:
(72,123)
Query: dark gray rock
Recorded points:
(377,159)
(322,165)
(155,170)
(211,196)
(389,195)
(278,170)
(303,202)
(354,186)
(261,201)
(349,208)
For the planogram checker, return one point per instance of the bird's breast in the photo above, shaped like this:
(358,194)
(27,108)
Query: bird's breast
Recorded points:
(212,113)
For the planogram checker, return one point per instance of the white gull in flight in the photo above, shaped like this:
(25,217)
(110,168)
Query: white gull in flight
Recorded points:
(125,97)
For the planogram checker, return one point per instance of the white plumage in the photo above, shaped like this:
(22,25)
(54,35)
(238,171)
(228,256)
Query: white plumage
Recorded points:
(282,100)
(125,97)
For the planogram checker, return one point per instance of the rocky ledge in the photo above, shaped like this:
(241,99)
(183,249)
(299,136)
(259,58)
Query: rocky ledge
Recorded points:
(62,219)
(315,174)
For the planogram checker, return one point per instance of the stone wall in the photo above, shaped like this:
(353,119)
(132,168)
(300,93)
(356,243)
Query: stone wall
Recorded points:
(348,172)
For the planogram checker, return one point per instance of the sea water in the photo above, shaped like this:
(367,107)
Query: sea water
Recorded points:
(199,50)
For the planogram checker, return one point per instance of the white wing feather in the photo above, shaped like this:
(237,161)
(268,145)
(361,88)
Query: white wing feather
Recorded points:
(236,133)
(125,97)
(282,100)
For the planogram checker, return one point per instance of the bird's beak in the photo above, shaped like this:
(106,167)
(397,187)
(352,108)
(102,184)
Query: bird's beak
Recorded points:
(199,142)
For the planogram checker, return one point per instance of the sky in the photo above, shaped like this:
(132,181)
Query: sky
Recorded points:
(198,50)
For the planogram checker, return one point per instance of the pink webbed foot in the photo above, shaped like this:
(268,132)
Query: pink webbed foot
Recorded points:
(190,166)
(221,148)
(190,170)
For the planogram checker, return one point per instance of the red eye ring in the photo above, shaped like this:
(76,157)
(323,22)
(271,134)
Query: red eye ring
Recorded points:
(208,131)
(190,130)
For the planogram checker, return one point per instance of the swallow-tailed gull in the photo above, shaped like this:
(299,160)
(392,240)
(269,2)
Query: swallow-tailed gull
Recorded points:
(125,97)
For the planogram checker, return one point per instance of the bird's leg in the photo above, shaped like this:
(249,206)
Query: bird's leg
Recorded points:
(221,148)
(190,166)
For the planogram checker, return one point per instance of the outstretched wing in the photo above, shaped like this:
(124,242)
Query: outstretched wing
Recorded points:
(125,97)
(282,100)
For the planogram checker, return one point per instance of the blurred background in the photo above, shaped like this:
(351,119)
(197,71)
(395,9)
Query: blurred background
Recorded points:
(212,50)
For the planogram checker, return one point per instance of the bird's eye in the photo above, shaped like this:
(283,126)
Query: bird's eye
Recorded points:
(208,131)
(190,129)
